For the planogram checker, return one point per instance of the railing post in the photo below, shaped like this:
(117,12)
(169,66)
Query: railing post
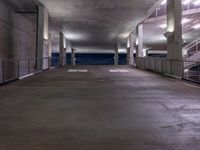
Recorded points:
(182,69)
(42,64)
(2,70)
(28,66)
(49,62)
(149,63)
(162,67)
(170,66)
(199,73)
(18,71)
(199,76)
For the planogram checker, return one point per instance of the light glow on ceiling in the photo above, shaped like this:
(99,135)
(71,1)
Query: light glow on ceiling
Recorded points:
(137,42)
(197,2)
(128,43)
(163,2)
(197,26)
(185,20)
(75,36)
(185,2)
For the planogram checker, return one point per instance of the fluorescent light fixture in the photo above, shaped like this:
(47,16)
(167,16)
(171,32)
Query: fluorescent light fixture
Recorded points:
(136,42)
(197,2)
(144,52)
(197,26)
(185,2)
(46,36)
(185,20)
(163,2)
(184,52)
(128,43)
(163,26)
(186,70)
(121,50)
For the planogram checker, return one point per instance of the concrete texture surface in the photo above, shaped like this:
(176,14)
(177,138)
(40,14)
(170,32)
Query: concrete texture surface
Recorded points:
(99,110)
(17,34)
(17,40)
(96,25)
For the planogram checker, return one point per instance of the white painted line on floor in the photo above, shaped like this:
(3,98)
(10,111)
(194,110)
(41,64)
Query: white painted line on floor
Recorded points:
(31,74)
(118,70)
(78,70)
(52,67)
(23,77)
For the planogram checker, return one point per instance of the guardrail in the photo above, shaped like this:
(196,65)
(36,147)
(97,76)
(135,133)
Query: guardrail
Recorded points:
(170,67)
(14,69)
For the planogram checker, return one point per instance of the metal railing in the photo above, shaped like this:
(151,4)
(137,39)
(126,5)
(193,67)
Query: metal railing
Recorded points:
(170,67)
(191,48)
(192,73)
(14,69)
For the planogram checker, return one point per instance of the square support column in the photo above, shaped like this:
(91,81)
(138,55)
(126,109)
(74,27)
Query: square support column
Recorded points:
(62,50)
(116,57)
(42,36)
(128,55)
(49,49)
(130,50)
(73,57)
(174,36)
(139,41)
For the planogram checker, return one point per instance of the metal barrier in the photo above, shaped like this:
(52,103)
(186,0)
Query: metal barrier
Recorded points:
(171,67)
(16,68)
(192,74)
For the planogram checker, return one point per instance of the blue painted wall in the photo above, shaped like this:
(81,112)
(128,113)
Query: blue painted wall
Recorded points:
(90,59)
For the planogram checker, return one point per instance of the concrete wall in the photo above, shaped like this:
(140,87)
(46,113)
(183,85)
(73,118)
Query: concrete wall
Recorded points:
(17,35)
(17,41)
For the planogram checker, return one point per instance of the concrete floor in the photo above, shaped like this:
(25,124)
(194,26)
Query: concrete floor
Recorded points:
(99,110)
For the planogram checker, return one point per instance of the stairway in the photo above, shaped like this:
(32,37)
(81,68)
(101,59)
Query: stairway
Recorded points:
(192,61)
(192,54)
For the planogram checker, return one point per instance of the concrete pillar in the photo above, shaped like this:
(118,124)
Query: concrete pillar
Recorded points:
(128,55)
(49,49)
(174,35)
(139,41)
(130,50)
(116,57)
(42,36)
(73,59)
(174,29)
(62,50)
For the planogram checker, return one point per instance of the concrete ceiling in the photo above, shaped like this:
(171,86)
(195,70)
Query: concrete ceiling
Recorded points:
(97,23)
(91,24)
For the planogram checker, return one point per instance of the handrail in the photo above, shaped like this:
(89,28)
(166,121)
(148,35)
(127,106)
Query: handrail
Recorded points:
(13,69)
(172,67)
(191,44)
